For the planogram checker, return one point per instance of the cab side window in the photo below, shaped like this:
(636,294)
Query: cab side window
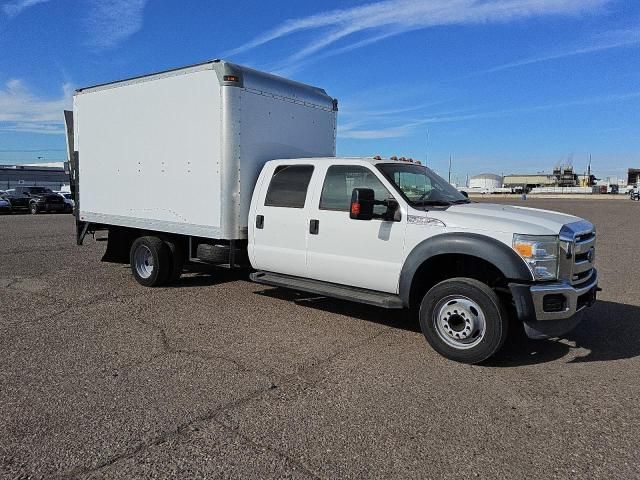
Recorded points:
(288,186)
(340,182)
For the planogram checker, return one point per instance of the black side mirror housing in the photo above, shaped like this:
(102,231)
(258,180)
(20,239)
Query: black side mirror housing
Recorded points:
(362,200)
(464,193)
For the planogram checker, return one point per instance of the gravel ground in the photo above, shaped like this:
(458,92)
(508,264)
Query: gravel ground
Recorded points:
(219,377)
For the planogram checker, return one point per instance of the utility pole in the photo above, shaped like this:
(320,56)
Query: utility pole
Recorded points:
(449,168)
(426,152)
(589,172)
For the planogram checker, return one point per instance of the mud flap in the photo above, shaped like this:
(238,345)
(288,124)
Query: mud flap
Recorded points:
(118,245)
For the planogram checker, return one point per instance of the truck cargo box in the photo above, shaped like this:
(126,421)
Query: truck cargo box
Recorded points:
(179,151)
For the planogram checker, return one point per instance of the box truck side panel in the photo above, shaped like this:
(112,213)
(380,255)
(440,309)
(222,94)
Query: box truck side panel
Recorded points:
(150,153)
(277,128)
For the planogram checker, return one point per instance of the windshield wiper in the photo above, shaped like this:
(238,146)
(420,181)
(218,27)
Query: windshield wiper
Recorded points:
(437,203)
(462,200)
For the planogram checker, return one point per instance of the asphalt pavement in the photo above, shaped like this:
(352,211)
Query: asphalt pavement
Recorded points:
(218,377)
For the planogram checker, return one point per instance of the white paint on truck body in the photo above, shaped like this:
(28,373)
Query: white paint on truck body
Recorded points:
(370,254)
(180,151)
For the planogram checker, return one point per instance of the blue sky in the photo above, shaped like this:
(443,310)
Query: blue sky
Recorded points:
(500,85)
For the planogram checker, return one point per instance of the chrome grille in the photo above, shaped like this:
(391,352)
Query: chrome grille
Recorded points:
(577,252)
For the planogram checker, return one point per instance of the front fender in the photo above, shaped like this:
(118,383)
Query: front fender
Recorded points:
(486,248)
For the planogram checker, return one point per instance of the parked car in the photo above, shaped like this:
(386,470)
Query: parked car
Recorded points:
(36,199)
(19,203)
(5,205)
(70,204)
(634,194)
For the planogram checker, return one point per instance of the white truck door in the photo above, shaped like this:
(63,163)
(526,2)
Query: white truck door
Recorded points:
(360,253)
(280,221)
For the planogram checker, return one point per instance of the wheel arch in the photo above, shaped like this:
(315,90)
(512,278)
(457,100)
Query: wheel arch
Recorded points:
(468,252)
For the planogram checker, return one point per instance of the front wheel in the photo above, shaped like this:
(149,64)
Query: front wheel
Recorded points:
(463,320)
(33,208)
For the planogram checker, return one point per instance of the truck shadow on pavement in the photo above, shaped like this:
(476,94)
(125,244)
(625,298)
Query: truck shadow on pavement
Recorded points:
(609,331)
(389,317)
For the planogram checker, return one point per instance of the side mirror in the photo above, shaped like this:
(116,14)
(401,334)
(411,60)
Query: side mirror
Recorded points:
(362,200)
(464,193)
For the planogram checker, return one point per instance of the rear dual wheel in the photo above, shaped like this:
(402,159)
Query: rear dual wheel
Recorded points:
(155,262)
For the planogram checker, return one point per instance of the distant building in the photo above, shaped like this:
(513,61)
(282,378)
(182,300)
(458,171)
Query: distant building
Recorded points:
(529,181)
(488,181)
(633,176)
(561,177)
(41,176)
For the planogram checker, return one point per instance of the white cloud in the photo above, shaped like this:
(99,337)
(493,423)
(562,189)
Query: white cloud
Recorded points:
(382,19)
(23,111)
(15,8)
(366,128)
(606,41)
(369,134)
(113,21)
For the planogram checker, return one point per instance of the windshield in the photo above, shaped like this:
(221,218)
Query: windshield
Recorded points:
(421,186)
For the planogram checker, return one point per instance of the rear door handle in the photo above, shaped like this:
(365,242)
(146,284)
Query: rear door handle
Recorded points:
(314,227)
(260,221)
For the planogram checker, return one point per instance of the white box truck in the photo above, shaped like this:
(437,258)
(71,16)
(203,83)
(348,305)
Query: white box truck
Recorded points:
(221,164)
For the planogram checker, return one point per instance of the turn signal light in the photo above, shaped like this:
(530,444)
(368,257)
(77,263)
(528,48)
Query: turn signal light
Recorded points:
(524,249)
(231,78)
(355,208)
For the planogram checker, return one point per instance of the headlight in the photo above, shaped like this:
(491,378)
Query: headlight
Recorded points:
(540,252)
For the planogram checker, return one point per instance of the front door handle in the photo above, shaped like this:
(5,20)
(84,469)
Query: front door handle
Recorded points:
(314,227)
(260,221)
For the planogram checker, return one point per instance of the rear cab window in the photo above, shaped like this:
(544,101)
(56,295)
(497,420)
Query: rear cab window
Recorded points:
(288,186)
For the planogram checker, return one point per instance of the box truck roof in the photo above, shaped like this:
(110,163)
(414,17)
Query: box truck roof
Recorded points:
(230,74)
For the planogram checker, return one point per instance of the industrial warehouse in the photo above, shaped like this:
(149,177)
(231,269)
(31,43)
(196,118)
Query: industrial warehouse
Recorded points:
(51,176)
(563,179)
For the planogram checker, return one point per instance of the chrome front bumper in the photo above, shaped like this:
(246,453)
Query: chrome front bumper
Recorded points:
(566,300)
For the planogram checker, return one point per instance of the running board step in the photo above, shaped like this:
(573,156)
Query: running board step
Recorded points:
(354,294)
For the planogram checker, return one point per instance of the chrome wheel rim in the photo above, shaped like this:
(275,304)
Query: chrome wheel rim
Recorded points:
(459,322)
(143,261)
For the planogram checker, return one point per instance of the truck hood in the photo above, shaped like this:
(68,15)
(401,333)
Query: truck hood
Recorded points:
(503,218)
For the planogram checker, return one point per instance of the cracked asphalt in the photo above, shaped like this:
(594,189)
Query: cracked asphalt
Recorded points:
(221,378)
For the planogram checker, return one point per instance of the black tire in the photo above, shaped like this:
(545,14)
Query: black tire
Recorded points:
(176,251)
(33,208)
(214,254)
(150,274)
(439,327)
